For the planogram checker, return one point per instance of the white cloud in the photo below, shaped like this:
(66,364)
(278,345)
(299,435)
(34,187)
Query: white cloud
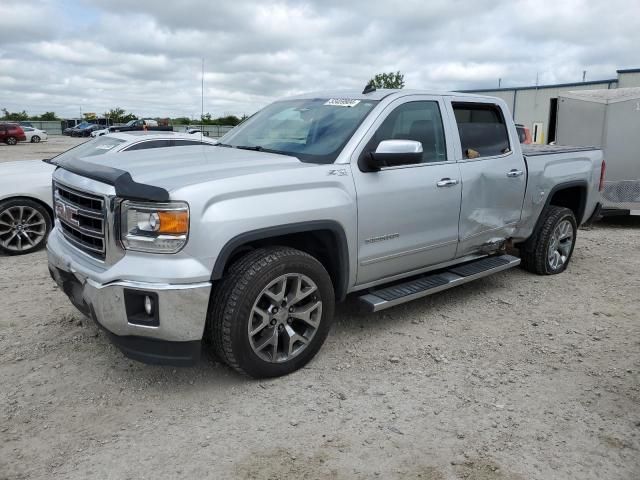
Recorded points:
(145,55)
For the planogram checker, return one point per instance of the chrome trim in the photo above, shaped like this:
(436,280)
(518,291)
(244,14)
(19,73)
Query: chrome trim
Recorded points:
(85,231)
(111,205)
(60,188)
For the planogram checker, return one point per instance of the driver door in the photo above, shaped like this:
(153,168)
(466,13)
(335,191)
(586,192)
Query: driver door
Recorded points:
(408,214)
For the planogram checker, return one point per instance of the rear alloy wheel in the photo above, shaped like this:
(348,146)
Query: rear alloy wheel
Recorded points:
(24,226)
(549,250)
(11,140)
(272,312)
(35,139)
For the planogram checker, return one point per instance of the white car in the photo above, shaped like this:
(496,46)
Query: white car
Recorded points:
(35,135)
(99,133)
(26,212)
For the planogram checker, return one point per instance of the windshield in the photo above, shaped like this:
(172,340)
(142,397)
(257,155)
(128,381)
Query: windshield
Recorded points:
(88,149)
(130,123)
(313,130)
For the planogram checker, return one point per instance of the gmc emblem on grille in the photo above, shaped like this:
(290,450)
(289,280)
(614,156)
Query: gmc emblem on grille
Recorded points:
(67,213)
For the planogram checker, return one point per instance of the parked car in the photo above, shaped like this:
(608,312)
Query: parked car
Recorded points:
(524,134)
(26,210)
(11,133)
(147,124)
(85,131)
(69,130)
(35,135)
(99,133)
(25,124)
(389,195)
(197,131)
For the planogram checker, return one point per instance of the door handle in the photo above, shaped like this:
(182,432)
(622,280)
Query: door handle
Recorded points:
(514,173)
(447,182)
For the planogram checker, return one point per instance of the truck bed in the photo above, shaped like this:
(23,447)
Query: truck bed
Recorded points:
(534,150)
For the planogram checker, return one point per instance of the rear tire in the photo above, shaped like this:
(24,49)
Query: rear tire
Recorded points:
(256,323)
(549,250)
(35,139)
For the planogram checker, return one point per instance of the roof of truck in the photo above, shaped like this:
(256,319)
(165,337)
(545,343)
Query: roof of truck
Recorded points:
(378,94)
(613,95)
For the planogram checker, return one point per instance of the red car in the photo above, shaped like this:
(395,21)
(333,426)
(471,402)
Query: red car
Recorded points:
(11,133)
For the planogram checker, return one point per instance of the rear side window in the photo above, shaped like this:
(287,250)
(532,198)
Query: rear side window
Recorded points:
(149,144)
(187,143)
(482,128)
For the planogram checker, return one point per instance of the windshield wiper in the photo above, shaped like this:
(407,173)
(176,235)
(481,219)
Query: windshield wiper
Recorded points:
(255,148)
(223,145)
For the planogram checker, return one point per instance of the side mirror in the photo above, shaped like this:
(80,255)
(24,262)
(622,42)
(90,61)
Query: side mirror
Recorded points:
(392,153)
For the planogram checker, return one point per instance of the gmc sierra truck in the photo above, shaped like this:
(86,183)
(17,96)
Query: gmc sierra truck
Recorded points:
(387,195)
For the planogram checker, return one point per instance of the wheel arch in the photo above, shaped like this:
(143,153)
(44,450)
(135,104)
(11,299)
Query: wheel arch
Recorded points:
(325,240)
(571,195)
(43,204)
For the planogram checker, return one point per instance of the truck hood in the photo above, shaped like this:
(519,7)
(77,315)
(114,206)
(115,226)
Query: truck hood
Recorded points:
(177,167)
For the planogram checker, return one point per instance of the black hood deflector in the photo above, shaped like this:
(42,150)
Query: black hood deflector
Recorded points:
(124,185)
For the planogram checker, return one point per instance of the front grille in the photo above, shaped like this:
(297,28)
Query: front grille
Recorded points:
(82,219)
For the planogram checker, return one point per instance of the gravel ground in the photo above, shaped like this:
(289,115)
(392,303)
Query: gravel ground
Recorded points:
(512,377)
(37,151)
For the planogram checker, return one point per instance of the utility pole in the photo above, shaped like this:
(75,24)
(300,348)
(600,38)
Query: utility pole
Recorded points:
(584,76)
(499,82)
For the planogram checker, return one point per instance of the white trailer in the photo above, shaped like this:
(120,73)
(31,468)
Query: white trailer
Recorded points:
(610,120)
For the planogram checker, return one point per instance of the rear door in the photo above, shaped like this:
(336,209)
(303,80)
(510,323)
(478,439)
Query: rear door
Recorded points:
(493,174)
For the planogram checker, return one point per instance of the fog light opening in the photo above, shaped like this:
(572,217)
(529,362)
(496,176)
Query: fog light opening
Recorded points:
(148,305)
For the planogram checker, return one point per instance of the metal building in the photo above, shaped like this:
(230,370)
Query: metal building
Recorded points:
(536,107)
(609,119)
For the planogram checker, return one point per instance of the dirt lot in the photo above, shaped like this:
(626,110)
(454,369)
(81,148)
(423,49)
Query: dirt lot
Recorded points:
(512,377)
(37,151)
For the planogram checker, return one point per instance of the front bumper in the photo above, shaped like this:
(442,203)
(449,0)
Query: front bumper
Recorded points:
(180,311)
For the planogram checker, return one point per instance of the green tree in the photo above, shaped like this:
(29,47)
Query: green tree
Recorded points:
(15,116)
(119,115)
(388,80)
(47,116)
(181,121)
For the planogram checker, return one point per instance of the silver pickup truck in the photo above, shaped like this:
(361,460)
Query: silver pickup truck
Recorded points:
(389,195)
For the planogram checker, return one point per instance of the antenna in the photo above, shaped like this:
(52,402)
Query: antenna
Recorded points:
(202,102)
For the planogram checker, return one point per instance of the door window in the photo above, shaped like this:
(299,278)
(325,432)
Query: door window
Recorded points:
(418,121)
(482,129)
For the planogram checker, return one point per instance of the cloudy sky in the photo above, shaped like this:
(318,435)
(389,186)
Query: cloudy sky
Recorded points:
(145,55)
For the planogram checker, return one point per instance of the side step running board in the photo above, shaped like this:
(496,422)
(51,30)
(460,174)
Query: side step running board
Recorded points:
(400,292)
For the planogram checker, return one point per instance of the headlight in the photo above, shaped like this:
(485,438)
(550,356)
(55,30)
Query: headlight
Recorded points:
(154,227)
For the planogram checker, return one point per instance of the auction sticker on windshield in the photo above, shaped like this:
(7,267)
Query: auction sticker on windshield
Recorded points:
(342,102)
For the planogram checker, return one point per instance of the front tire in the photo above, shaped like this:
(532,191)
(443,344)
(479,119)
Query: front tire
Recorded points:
(549,250)
(24,226)
(272,312)
(11,140)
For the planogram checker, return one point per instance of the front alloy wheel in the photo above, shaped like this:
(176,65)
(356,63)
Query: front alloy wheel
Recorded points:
(272,312)
(284,318)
